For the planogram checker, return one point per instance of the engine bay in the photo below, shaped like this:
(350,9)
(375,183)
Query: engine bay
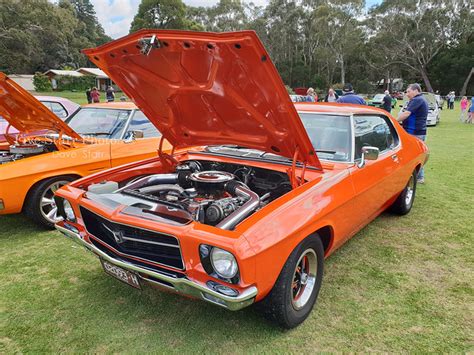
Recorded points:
(212,193)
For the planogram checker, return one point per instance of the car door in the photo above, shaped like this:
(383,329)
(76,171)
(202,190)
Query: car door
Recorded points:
(377,181)
(132,149)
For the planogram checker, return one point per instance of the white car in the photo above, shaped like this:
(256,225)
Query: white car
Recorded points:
(434,112)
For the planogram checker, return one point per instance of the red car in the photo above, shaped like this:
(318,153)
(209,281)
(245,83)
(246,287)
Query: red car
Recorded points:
(258,191)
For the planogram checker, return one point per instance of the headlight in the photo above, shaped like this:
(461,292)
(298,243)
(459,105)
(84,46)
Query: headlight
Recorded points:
(224,263)
(68,211)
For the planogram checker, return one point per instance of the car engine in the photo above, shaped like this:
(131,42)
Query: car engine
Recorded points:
(213,193)
(20,151)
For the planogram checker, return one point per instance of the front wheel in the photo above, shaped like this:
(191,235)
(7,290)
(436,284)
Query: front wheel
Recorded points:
(40,205)
(295,292)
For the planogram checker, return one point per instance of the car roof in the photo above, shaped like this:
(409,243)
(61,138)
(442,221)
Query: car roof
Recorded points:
(124,105)
(343,109)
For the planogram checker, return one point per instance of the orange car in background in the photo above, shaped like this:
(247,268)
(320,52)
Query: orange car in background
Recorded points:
(33,167)
(249,217)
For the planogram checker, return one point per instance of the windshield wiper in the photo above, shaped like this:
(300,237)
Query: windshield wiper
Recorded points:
(96,134)
(326,151)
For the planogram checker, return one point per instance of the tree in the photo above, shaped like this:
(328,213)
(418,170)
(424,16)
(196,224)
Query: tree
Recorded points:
(37,35)
(167,14)
(416,31)
(88,26)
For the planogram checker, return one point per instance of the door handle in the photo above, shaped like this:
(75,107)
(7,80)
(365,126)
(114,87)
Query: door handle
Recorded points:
(395,157)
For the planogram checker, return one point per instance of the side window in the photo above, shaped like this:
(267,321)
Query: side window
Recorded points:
(373,131)
(140,122)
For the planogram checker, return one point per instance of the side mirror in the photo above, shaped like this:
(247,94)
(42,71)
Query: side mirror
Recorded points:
(132,135)
(368,153)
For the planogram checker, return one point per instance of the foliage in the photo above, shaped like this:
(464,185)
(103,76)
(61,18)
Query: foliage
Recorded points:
(289,90)
(75,83)
(37,35)
(41,82)
(412,33)
(165,14)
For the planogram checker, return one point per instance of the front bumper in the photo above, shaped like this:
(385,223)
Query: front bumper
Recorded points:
(181,285)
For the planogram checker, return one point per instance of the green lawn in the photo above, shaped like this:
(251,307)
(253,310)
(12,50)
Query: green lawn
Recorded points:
(76,96)
(401,284)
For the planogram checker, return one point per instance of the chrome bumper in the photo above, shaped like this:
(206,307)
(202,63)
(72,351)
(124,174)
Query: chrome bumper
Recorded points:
(180,285)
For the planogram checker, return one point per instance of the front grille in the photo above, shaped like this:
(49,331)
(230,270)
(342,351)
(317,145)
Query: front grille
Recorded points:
(132,241)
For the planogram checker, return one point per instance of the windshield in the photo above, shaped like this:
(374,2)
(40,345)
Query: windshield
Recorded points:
(99,122)
(379,97)
(329,134)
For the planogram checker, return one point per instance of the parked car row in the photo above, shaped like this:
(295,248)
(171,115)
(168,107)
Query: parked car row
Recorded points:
(253,193)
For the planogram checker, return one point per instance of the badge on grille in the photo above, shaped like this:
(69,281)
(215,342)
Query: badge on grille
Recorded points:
(116,234)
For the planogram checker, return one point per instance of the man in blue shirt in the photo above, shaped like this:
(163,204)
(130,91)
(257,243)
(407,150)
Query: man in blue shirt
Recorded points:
(349,97)
(413,118)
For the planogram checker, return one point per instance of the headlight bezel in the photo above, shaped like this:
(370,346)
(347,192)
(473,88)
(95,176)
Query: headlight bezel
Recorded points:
(60,204)
(205,252)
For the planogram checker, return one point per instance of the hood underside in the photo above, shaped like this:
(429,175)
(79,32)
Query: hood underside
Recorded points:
(207,88)
(24,112)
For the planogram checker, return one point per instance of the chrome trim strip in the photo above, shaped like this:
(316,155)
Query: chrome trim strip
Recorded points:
(182,285)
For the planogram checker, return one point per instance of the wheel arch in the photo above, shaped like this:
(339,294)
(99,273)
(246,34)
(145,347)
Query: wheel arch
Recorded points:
(75,176)
(326,234)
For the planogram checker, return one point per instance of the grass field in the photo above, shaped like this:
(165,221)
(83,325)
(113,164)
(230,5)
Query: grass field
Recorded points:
(401,284)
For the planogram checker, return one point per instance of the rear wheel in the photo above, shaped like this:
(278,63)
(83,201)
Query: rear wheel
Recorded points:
(40,205)
(295,292)
(404,202)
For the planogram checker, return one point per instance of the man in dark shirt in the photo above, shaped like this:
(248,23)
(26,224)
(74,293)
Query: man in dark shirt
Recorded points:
(387,102)
(349,97)
(413,118)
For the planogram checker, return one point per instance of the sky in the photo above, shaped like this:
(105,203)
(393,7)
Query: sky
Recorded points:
(117,15)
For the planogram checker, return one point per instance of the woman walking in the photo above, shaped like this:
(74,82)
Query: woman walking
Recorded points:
(463,116)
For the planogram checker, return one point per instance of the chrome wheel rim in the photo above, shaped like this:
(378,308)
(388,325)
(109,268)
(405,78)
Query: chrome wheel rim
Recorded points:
(304,279)
(48,207)
(410,191)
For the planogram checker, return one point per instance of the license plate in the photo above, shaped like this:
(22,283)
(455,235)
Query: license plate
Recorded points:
(123,275)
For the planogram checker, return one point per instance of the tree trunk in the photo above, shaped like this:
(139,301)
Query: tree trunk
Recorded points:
(424,75)
(343,72)
(466,83)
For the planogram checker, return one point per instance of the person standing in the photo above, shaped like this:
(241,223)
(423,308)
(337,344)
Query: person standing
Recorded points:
(311,95)
(413,118)
(95,95)
(349,97)
(470,117)
(452,96)
(463,116)
(88,95)
(331,96)
(387,102)
(110,94)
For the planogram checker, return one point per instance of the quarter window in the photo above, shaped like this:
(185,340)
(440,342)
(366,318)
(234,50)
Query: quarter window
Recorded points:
(56,108)
(141,123)
(373,131)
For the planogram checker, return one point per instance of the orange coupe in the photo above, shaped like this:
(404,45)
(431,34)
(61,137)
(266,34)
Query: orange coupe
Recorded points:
(273,189)
(33,166)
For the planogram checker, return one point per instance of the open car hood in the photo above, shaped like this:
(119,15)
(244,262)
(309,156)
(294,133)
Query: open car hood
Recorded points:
(202,88)
(24,112)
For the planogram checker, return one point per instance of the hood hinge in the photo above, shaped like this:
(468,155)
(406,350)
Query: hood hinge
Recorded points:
(295,180)
(168,162)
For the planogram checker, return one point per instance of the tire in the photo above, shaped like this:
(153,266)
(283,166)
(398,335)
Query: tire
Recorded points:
(290,301)
(36,207)
(404,201)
